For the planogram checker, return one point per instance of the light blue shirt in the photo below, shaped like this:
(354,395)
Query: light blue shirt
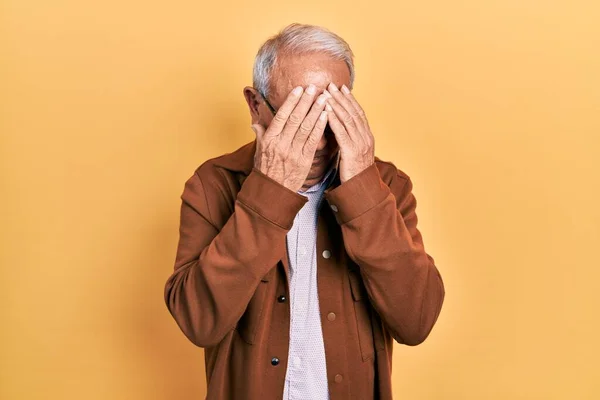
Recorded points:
(306,375)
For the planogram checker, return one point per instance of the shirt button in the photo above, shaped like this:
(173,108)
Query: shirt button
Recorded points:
(331,316)
(338,378)
(326,254)
(334,208)
(275,361)
(281,299)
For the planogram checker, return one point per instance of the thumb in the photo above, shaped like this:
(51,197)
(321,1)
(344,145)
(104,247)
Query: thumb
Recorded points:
(258,130)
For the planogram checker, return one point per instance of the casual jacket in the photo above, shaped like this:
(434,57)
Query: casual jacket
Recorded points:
(229,290)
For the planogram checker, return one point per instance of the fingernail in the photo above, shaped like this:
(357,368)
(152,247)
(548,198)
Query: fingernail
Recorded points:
(328,108)
(332,87)
(323,115)
(297,91)
(321,99)
(345,89)
(326,93)
(311,89)
(254,129)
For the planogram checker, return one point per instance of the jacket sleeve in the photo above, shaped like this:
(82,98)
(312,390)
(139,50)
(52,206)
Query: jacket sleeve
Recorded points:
(217,271)
(379,227)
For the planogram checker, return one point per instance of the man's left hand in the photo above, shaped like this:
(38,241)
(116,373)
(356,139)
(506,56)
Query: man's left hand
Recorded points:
(351,129)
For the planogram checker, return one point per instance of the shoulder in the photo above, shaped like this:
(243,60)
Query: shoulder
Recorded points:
(227,168)
(214,185)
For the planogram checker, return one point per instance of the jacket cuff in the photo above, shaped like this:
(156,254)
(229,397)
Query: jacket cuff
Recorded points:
(270,199)
(357,195)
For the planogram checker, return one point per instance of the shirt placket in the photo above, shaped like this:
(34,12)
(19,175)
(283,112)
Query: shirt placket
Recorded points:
(304,307)
(298,317)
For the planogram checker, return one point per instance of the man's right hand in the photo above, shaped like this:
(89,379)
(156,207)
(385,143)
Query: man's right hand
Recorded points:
(285,151)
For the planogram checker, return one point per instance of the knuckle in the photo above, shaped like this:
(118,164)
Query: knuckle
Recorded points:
(295,119)
(348,120)
(280,118)
(306,126)
(268,136)
(308,144)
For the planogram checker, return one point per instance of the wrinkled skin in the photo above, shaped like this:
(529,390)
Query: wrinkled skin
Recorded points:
(313,123)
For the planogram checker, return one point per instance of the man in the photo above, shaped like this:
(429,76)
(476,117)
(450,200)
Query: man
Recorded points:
(299,258)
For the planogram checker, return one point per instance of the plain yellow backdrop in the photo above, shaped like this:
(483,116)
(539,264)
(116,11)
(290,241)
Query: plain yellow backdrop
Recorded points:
(492,107)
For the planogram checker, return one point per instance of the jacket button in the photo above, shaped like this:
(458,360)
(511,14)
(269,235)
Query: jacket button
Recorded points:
(326,254)
(331,316)
(274,361)
(338,378)
(281,299)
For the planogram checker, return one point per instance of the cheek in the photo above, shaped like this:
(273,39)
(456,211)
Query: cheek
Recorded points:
(265,119)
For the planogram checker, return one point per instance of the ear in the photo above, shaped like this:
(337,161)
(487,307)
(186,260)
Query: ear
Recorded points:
(254,100)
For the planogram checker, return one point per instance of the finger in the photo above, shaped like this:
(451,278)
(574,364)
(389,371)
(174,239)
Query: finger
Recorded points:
(311,144)
(343,117)
(284,112)
(357,108)
(307,126)
(299,113)
(345,102)
(339,131)
(367,136)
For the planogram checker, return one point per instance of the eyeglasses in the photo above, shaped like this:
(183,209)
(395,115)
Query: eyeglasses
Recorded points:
(268,104)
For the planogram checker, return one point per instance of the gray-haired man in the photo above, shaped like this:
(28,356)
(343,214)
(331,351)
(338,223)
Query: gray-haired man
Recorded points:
(299,258)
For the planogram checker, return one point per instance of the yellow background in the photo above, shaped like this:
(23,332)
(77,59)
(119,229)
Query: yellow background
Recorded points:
(492,107)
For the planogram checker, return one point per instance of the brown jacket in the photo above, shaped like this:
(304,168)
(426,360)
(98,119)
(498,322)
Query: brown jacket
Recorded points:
(229,290)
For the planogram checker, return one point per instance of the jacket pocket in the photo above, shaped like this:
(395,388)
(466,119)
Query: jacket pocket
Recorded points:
(362,313)
(250,320)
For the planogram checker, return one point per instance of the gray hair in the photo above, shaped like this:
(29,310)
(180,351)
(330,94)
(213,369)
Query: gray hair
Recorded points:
(298,39)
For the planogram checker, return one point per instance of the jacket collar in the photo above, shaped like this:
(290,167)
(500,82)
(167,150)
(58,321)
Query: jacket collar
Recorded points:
(240,161)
